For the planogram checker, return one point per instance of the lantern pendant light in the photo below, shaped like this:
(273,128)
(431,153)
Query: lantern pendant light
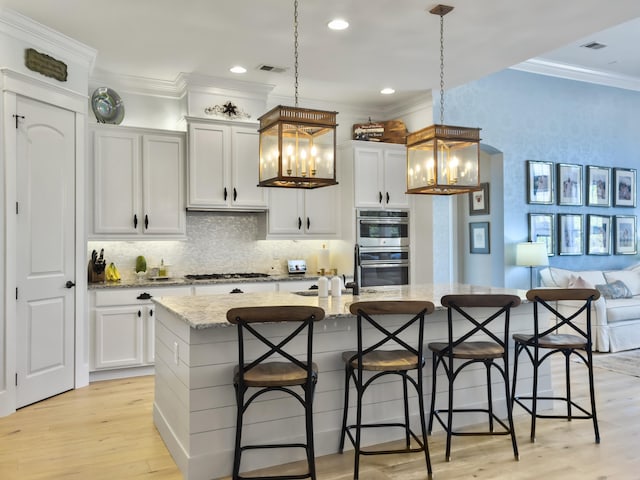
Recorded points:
(297,145)
(443,159)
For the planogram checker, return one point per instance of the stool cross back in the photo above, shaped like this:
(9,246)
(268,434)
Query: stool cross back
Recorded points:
(484,341)
(389,353)
(275,369)
(570,309)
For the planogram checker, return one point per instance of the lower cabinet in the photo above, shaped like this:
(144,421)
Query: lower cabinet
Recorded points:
(123,328)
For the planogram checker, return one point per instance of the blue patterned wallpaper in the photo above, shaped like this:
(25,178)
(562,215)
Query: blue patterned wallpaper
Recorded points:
(534,117)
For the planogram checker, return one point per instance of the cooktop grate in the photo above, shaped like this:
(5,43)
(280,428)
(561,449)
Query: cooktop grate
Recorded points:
(224,276)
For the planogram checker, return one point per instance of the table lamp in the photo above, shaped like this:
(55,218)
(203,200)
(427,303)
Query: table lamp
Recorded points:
(531,254)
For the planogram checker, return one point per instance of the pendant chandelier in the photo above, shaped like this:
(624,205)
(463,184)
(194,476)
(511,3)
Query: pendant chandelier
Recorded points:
(297,145)
(443,159)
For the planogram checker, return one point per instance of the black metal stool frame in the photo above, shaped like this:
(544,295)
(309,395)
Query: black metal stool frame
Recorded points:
(457,303)
(533,344)
(308,387)
(356,374)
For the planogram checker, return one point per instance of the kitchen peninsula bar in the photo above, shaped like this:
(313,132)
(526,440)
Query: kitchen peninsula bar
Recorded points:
(196,351)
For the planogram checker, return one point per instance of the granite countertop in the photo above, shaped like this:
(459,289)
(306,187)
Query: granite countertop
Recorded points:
(206,311)
(134,282)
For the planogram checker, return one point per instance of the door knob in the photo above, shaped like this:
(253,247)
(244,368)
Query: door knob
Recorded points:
(69,284)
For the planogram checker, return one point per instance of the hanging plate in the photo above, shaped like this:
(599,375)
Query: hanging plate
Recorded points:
(107,106)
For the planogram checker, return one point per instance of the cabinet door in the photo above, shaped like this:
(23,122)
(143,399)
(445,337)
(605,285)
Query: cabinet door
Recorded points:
(395,179)
(244,169)
(150,334)
(368,179)
(209,153)
(322,211)
(163,185)
(286,212)
(118,337)
(116,182)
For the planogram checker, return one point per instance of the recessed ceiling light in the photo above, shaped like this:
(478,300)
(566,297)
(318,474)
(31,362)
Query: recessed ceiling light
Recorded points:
(387,91)
(238,69)
(338,24)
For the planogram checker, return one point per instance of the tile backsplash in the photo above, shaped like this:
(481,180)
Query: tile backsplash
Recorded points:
(216,243)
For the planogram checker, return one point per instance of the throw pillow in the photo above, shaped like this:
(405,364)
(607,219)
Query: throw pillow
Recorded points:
(614,290)
(578,282)
(630,278)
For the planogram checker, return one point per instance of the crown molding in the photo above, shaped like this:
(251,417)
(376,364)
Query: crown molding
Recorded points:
(152,87)
(31,32)
(573,72)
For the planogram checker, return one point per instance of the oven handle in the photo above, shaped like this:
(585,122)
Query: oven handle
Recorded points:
(383,221)
(366,264)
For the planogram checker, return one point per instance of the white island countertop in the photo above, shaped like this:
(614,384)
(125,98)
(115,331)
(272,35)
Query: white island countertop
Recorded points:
(206,311)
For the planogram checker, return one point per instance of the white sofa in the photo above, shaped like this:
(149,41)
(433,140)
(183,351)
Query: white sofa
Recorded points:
(615,321)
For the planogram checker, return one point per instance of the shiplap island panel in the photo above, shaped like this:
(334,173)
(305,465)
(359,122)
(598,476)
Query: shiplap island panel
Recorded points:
(196,351)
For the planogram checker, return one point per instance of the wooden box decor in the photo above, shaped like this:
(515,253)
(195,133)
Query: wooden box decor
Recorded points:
(390,131)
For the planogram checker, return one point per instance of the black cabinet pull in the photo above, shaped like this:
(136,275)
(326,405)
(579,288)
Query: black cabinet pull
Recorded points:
(225,193)
(387,197)
(69,284)
(308,223)
(379,197)
(135,221)
(139,313)
(235,194)
(299,223)
(151,313)
(146,222)
(144,296)
(236,290)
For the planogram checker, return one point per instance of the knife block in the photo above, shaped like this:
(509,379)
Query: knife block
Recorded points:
(93,276)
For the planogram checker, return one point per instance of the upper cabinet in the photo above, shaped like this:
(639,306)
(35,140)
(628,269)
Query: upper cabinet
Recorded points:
(304,214)
(138,182)
(380,175)
(223,166)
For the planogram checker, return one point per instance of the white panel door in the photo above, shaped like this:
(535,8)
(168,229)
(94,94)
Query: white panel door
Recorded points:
(245,143)
(208,152)
(322,211)
(119,337)
(395,178)
(45,251)
(368,177)
(163,209)
(286,212)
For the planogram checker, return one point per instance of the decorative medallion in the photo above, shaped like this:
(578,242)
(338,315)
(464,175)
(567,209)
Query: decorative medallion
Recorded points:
(227,110)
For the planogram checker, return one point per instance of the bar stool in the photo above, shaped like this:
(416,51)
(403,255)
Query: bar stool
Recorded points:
(472,347)
(547,341)
(402,359)
(279,374)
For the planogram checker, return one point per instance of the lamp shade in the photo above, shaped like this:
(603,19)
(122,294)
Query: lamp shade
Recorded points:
(531,254)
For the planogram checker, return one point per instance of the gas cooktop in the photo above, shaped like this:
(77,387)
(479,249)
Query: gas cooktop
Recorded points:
(224,276)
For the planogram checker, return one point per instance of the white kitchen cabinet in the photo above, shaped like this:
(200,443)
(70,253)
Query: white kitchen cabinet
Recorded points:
(248,287)
(380,175)
(299,214)
(138,183)
(123,326)
(223,166)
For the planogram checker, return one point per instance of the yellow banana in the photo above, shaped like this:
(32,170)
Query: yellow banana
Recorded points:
(112,273)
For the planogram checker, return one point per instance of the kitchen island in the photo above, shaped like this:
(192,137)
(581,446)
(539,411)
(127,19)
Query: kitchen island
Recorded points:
(196,351)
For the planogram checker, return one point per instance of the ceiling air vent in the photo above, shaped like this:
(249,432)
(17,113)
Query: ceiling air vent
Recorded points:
(594,45)
(271,68)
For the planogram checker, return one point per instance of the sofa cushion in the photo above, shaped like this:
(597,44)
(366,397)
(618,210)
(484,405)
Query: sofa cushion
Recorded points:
(576,281)
(631,279)
(622,309)
(559,278)
(614,290)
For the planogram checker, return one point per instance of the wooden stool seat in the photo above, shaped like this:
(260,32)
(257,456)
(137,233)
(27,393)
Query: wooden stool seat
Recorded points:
(557,340)
(470,350)
(275,374)
(383,360)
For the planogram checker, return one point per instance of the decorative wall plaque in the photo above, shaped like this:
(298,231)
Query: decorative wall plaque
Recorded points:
(46,65)
(229,110)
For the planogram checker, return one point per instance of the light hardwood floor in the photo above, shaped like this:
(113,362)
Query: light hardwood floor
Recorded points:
(105,431)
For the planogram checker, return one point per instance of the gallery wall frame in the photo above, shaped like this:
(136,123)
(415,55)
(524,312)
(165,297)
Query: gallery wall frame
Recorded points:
(598,191)
(479,241)
(570,184)
(599,235)
(624,187)
(479,201)
(542,229)
(570,234)
(625,235)
(540,182)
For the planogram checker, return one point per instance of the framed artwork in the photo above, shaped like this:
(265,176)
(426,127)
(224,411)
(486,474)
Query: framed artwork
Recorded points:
(540,185)
(479,237)
(598,186)
(479,201)
(569,184)
(598,235)
(625,235)
(624,187)
(570,237)
(542,229)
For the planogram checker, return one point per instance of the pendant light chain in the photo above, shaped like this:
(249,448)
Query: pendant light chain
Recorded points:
(295,48)
(441,69)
